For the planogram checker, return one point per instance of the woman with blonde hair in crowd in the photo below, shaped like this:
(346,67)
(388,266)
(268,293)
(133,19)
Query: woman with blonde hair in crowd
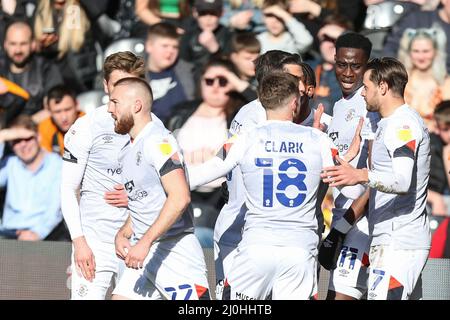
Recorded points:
(63,33)
(422,51)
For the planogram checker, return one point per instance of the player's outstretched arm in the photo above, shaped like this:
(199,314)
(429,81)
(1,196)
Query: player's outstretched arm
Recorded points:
(225,160)
(178,198)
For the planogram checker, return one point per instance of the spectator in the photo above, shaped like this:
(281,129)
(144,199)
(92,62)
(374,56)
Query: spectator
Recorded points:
(245,49)
(422,51)
(207,38)
(416,20)
(63,34)
(32,176)
(201,129)
(64,110)
(284,32)
(243,15)
(438,184)
(170,78)
(31,72)
(328,90)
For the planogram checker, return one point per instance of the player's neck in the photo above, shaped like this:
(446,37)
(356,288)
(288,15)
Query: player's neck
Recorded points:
(279,115)
(390,105)
(139,125)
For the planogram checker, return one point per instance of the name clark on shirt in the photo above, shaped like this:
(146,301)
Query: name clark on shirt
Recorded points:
(289,147)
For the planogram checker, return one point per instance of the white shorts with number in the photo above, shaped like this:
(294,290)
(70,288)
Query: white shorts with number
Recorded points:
(394,274)
(282,273)
(350,275)
(108,268)
(223,258)
(174,269)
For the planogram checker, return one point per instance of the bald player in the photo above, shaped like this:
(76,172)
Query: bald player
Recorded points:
(163,257)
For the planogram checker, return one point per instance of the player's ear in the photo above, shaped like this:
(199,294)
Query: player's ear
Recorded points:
(383,87)
(137,106)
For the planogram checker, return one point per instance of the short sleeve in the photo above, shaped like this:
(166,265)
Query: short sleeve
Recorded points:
(401,137)
(163,153)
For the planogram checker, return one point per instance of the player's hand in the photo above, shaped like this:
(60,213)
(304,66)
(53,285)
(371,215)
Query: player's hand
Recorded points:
(317,116)
(343,174)
(353,150)
(118,197)
(330,249)
(122,245)
(136,255)
(27,235)
(225,192)
(84,258)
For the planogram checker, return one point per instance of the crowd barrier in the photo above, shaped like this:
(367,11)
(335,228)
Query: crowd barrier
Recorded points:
(38,270)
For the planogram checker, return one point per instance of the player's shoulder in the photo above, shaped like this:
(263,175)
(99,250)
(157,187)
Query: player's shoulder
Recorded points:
(247,117)
(407,116)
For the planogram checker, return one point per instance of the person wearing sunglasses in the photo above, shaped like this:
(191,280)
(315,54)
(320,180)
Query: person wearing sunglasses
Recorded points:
(32,175)
(200,127)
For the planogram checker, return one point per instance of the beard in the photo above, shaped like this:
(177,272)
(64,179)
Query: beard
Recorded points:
(124,125)
(20,64)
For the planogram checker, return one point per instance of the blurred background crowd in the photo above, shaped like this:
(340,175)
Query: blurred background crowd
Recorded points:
(199,58)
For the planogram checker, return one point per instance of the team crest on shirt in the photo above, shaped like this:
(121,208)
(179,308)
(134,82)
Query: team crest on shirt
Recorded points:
(165,147)
(350,115)
(404,133)
(138,158)
(82,290)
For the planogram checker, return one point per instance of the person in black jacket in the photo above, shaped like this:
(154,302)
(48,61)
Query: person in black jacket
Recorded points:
(33,73)
(207,38)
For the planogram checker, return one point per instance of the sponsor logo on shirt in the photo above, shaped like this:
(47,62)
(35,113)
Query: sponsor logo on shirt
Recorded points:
(138,195)
(333,136)
(242,296)
(107,139)
(129,186)
(113,171)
